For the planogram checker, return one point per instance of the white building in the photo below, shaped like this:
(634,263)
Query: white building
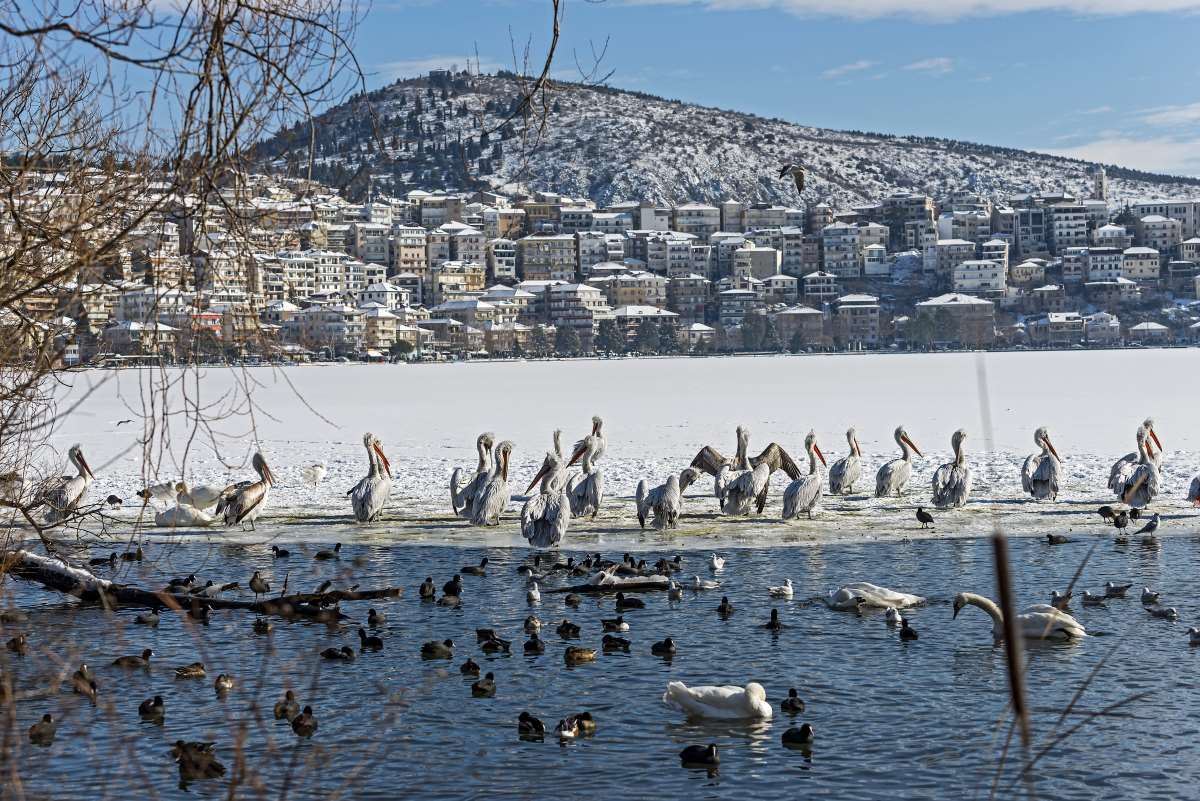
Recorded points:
(979,277)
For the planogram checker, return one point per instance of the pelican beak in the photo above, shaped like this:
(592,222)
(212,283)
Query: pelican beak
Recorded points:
(541,473)
(578,454)
(1050,445)
(83,463)
(387,466)
(1154,436)
(267,474)
(857,450)
(820,455)
(912,445)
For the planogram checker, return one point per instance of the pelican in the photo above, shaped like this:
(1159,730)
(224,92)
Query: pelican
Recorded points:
(545,516)
(804,494)
(1037,622)
(893,476)
(773,456)
(1138,484)
(952,481)
(1039,475)
(664,502)
(370,494)
(1194,491)
(244,502)
(493,495)
(847,470)
(200,497)
(1127,463)
(65,495)
(462,499)
(587,493)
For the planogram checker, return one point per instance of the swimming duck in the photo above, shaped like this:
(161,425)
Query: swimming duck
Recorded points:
(280,553)
(567,729)
(610,643)
(19,645)
(568,630)
(469,668)
(725,609)
(110,560)
(532,625)
(375,620)
(892,616)
(476,570)
(449,600)
(178,585)
(534,595)
(427,590)
(907,632)
(192,671)
(674,591)
(793,704)
(152,709)
(1057,539)
(42,733)
(133,556)
(624,603)
(83,681)
(584,723)
(617,624)
(774,624)
(702,755)
(535,645)
(495,645)
(663,647)
(454,586)
(262,625)
(784,590)
(368,643)
(223,684)
(148,618)
(802,736)
(287,708)
(343,654)
(326,555)
(485,687)
(573,599)
(140,662)
(529,727)
(575,655)
(438,650)
(305,724)
(196,761)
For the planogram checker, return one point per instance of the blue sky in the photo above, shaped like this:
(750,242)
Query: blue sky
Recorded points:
(1112,80)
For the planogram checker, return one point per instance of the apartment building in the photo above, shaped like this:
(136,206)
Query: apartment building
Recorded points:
(688,296)
(979,277)
(1158,232)
(841,248)
(1141,264)
(856,321)
(546,257)
(699,219)
(1103,264)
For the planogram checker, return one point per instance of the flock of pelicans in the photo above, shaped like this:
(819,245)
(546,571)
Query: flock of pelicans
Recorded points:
(740,483)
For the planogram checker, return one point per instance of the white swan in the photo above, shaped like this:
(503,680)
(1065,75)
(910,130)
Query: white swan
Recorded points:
(851,596)
(1037,622)
(201,497)
(781,591)
(716,563)
(720,703)
(183,516)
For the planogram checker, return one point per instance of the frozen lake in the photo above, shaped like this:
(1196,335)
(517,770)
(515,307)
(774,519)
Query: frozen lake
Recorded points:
(658,413)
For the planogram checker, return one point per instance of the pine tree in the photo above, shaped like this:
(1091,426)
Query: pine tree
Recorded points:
(609,339)
(647,336)
(566,341)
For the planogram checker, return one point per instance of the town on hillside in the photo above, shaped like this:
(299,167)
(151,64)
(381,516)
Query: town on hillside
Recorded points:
(284,269)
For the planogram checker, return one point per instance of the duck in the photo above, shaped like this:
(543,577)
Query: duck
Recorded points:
(438,650)
(701,755)
(802,736)
(368,643)
(535,645)
(1114,590)
(664,647)
(530,727)
(532,625)
(139,662)
(305,724)
(325,555)
(485,687)
(1057,539)
(584,723)
(223,684)
(725,608)
(862,593)
(774,624)
(892,616)
(495,645)
(617,624)
(375,619)
(19,645)
(716,563)
(1092,600)
(148,618)
(1060,600)
(193,671)
(449,600)
(568,630)
(42,733)
(258,585)
(784,590)
(1150,597)
(674,591)
(197,761)
(907,633)
(793,704)
(343,654)
(83,681)
(262,626)
(624,603)
(279,553)
(610,643)
(567,729)
(427,589)
(721,703)
(454,586)
(533,595)
(1193,637)
(133,556)
(575,655)
(287,708)
(573,599)
(1163,612)
(1037,622)
(152,708)
(469,668)
(476,570)
(109,560)
(181,585)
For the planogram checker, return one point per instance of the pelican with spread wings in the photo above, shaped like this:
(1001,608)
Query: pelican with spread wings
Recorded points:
(741,474)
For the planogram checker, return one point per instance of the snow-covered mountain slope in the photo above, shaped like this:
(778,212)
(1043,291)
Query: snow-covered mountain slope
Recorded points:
(610,145)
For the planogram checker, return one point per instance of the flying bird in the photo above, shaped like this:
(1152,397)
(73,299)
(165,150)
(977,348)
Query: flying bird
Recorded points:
(797,173)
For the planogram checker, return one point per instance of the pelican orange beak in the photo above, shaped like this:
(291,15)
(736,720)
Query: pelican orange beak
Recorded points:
(578,454)
(387,466)
(267,474)
(1154,437)
(821,456)
(541,474)
(912,445)
(1050,445)
(83,463)
(857,450)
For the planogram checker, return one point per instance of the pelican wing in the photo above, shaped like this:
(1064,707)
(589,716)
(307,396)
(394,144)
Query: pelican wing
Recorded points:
(1140,487)
(1194,490)
(951,485)
(709,459)
(587,494)
(544,519)
(245,501)
(1120,471)
(777,458)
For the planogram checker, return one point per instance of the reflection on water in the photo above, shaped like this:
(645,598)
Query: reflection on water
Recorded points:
(915,719)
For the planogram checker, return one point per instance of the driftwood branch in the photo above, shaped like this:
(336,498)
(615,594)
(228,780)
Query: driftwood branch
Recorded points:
(56,574)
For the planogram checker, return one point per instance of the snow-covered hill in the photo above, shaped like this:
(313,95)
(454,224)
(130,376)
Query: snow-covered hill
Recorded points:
(610,145)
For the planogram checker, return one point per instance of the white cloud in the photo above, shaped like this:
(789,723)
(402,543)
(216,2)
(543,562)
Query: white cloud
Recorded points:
(939,65)
(1162,154)
(410,68)
(939,9)
(1098,110)
(1167,116)
(847,69)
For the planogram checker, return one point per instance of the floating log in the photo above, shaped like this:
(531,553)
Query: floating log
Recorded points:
(56,574)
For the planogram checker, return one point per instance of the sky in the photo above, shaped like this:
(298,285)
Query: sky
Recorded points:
(1106,80)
